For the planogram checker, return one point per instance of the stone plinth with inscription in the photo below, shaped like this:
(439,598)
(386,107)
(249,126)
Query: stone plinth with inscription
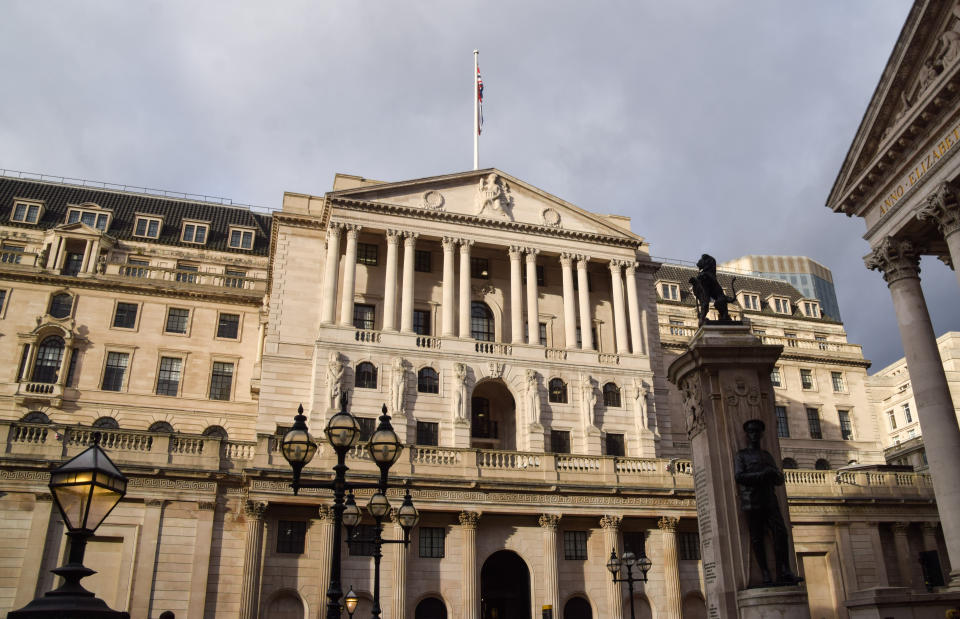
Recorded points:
(724,379)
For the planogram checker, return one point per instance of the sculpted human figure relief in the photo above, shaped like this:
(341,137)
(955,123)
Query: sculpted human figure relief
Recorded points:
(533,397)
(758,476)
(640,398)
(459,399)
(398,386)
(334,377)
(588,401)
(494,193)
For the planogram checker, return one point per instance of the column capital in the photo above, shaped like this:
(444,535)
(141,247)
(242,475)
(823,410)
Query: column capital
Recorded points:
(515,251)
(465,245)
(410,237)
(335,226)
(611,522)
(942,208)
(567,259)
(895,258)
(531,253)
(900,528)
(631,266)
(255,509)
(207,506)
(929,527)
(449,243)
(469,520)
(154,502)
(394,236)
(325,513)
(352,230)
(550,521)
(615,266)
(668,524)
(582,261)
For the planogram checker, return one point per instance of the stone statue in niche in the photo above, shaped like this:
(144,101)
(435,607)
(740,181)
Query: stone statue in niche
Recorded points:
(398,386)
(640,397)
(758,476)
(707,288)
(334,377)
(101,265)
(459,398)
(42,257)
(588,402)
(494,193)
(532,397)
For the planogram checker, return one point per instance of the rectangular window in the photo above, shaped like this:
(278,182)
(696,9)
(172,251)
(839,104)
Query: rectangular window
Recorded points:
(676,326)
(846,428)
(431,542)
(3,300)
(781,306)
(241,239)
(228,326)
(759,331)
(367,254)
(221,380)
(12,253)
(688,546)
(892,419)
(421,322)
(615,445)
(635,542)
(783,427)
(791,339)
(811,309)
(670,292)
(813,420)
(366,547)
(291,535)
(177,319)
(575,545)
(593,332)
(775,378)
(479,268)
(114,371)
(168,377)
(751,302)
(821,341)
(837,379)
(234,278)
(906,407)
(363,316)
(26,213)
(72,371)
(428,433)
(187,273)
(560,441)
(806,379)
(194,233)
(367,426)
(542,333)
(147,227)
(136,267)
(125,316)
(421,261)
(541,275)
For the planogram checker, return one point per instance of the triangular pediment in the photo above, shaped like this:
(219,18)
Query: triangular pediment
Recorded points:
(925,59)
(80,227)
(488,194)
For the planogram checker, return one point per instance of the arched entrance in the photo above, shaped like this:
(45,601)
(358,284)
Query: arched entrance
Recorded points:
(504,587)
(577,608)
(493,419)
(430,608)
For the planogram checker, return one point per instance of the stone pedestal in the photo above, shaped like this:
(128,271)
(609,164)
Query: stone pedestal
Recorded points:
(900,602)
(592,441)
(461,434)
(535,438)
(724,380)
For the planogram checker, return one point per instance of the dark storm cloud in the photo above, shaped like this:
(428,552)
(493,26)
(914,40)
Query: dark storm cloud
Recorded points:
(717,126)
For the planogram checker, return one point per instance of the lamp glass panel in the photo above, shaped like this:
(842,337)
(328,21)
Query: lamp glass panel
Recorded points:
(298,446)
(351,514)
(342,430)
(385,446)
(101,504)
(73,500)
(408,515)
(645,564)
(379,505)
(351,601)
(629,559)
(613,564)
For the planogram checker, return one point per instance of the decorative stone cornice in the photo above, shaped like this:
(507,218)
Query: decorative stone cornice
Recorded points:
(668,524)
(550,521)
(942,208)
(255,509)
(895,258)
(469,520)
(611,522)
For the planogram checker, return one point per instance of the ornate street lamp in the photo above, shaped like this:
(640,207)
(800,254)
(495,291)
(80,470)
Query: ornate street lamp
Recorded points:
(629,560)
(350,601)
(85,489)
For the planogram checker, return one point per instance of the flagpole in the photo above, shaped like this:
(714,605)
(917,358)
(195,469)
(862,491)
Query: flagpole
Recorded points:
(476,112)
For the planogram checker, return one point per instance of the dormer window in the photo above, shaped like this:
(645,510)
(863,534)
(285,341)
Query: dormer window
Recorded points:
(241,238)
(26,211)
(780,305)
(93,217)
(750,301)
(811,309)
(148,227)
(195,232)
(670,292)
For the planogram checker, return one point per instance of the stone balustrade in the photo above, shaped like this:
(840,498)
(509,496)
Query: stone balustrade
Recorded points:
(180,277)
(790,344)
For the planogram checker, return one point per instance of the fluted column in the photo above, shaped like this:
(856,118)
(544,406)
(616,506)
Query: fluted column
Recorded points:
(673,596)
(146,556)
(533,309)
(569,304)
(551,583)
(331,274)
(465,245)
(324,550)
(406,303)
(633,305)
(619,310)
(611,541)
(390,282)
(252,550)
(449,275)
(206,510)
(943,209)
(586,320)
(471,599)
(516,295)
(899,261)
(399,571)
(29,571)
(349,275)
(901,544)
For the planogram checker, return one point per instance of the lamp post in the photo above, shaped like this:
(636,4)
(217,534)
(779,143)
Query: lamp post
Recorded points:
(629,560)
(350,601)
(342,430)
(86,489)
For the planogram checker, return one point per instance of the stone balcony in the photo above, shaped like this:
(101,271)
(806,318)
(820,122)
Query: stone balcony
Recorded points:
(180,278)
(681,334)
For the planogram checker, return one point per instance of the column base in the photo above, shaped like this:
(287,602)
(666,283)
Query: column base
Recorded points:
(900,602)
(770,602)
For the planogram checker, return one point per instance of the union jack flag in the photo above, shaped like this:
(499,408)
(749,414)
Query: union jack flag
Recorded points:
(479,102)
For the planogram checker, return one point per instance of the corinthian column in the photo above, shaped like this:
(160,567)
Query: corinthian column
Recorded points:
(465,287)
(551,584)
(399,571)
(633,304)
(331,273)
(586,335)
(533,310)
(516,295)
(899,261)
(470,600)
(901,544)
(325,523)
(349,275)
(619,311)
(449,275)
(569,304)
(673,599)
(611,540)
(390,282)
(943,209)
(406,303)
(252,549)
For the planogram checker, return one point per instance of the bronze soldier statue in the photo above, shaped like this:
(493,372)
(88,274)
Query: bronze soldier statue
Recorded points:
(758,476)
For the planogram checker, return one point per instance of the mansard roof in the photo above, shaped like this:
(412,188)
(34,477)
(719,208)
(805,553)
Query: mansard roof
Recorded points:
(125,206)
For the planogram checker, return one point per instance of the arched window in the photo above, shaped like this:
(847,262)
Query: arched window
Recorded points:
(46,369)
(216,432)
(428,381)
(430,608)
(557,391)
(789,463)
(481,322)
(61,305)
(106,423)
(365,376)
(35,417)
(611,395)
(822,465)
(161,426)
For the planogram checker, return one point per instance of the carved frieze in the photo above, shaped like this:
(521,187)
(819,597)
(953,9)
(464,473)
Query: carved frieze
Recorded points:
(690,392)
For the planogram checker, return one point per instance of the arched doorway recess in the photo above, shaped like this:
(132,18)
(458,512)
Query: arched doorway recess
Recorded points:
(577,608)
(493,419)
(430,608)
(504,587)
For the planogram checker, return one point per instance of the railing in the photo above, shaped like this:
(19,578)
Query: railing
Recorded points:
(186,445)
(814,345)
(435,455)
(489,459)
(638,466)
(219,280)
(577,464)
(555,354)
(40,388)
(240,451)
(802,477)
(424,341)
(677,331)
(120,440)
(493,348)
(29,434)
(608,358)
(367,336)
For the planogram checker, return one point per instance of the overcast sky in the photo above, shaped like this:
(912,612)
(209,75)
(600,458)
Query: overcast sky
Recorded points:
(717,126)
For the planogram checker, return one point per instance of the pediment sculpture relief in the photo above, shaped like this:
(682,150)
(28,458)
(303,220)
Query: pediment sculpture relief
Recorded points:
(494,198)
